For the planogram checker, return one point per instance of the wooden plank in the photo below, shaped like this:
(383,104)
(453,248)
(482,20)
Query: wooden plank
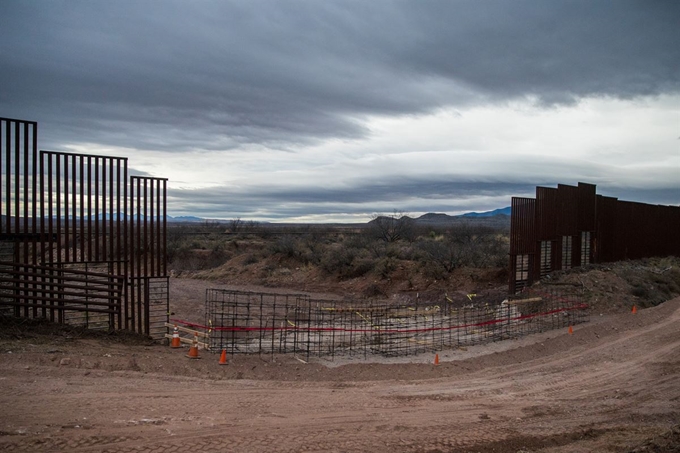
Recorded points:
(187,330)
(525,301)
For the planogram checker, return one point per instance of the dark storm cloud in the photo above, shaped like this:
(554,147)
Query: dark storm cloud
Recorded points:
(283,202)
(215,75)
(366,193)
(280,203)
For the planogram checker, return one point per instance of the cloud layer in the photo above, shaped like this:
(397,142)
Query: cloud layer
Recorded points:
(298,109)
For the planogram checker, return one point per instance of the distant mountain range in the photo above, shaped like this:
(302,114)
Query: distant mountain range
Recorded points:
(185,218)
(500,211)
(429,218)
(497,216)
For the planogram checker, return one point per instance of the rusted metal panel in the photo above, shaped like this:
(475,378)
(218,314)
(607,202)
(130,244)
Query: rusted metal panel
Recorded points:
(568,210)
(523,226)
(546,207)
(607,221)
(548,247)
(587,206)
(522,242)
(566,253)
(576,221)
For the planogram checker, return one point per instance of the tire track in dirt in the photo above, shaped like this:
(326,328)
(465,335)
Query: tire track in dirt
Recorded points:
(625,384)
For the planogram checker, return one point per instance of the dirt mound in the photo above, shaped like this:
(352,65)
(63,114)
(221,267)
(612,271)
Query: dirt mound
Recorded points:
(42,331)
(616,287)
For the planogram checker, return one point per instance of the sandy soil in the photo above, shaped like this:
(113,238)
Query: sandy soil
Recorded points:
(614,385)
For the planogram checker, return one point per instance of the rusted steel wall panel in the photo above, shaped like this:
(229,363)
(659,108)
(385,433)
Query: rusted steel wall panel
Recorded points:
(567,227)
(567,210)
(607,221)
(522,241)
(548,246)
(667,235)
(614,230)
(587,206)
(625,236)
(547,207)
(523,226)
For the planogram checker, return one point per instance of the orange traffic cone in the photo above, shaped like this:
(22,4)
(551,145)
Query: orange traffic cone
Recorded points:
(571,330)
(223,357)
(193,350)
(634,310)
(436,359)
(175,343)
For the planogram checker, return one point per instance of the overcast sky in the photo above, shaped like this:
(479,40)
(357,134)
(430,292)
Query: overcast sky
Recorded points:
(315,111)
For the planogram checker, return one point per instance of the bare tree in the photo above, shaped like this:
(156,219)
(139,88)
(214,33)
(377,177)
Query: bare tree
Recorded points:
(391,228)
(235,225)
(466,245)
(446,254)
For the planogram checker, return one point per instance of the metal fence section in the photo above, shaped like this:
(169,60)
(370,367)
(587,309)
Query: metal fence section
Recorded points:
(66,211)
(260,323)
(148,304)
(18,184)
(61,294)
(572,226)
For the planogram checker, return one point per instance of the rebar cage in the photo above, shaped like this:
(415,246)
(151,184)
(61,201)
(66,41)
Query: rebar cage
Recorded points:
(260,323)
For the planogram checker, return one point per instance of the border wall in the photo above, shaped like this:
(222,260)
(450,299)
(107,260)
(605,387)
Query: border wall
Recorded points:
(81,241)
(261,323)
(572,226)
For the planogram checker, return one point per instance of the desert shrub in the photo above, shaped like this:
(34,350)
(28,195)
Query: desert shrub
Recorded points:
(376,248)
(640,290)
(385,267)
(465,245)
(359,267)
(433,270)
(314,245)
(667,283)
(288,246)
(446,255)
(250,258)
(336,258)
(346,262)
(651,286)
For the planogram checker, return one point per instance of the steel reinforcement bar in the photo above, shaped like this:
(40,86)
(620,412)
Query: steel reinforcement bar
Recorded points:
(260,323)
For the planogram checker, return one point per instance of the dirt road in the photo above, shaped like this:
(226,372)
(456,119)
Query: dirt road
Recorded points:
(611,386)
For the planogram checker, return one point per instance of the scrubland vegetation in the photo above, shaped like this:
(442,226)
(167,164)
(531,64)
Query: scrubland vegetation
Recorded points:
(378,249)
